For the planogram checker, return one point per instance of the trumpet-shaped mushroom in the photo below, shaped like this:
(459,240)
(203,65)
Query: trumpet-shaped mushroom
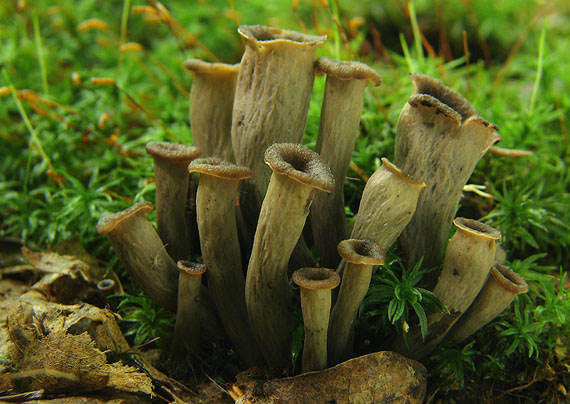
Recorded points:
(186,338)
(142,253)
(297,174)
(468,259)
(316,285)
(171,177)
(498,292)
(338,128)
(360,256)
(216,210)
(211,104)
(440,138)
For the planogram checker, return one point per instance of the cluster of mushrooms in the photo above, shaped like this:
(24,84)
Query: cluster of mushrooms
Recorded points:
(257,185)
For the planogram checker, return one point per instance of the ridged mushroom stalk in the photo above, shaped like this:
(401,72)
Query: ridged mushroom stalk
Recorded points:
(468,259)
(142,253)
(497,294)
(338,129)
(316,285)
(216,210)
(186,340)
(272,96)
(440,138)
(297,175)
(211,105)
(171,176)
(360,257)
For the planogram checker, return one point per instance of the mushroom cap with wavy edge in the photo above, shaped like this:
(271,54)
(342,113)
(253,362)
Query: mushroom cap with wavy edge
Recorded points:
(316,278)
(300,164)
(347,70)
(173,152)
(191,268)
(508,279)
(208,68)
(108,223)
(402,175)
(219,168)
(258,35)
(366,252)
(477,228)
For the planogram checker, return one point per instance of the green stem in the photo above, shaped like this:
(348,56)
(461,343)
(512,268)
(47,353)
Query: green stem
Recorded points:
(40,53)
(539,67)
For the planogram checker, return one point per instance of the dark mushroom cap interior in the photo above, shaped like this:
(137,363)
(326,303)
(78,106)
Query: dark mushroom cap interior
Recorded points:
(426,103)
(217,167)
(508,279)
(396,171)
(366,252)
(173,152)
(316,278)
(215,69)
(477,228)
(108,223)
(191,268)
(260,34)
(348,70)
(301,164)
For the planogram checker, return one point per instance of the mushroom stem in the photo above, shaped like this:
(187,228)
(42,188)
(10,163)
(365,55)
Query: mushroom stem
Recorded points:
(216,209)
(186,338)
(360,256)
(297,174)
(142,253)
(171,177)
(469,257)
(338,128)
(211,105)
(440,138)
(316,285)
(498,292)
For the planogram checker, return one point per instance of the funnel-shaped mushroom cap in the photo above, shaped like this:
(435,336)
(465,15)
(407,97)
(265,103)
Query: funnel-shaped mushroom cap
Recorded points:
(191,268)
(477,228)
(214,69)
(509,279)
(300,164)
(365,252)
(108,223)
(347,70)
(217,167)
(258,35)
(316,278)
(173,152)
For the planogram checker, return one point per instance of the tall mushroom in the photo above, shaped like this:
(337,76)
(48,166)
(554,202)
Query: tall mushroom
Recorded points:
(338,129)
(360,256)
(211,104)
(171,177)
(498,292)
(216,210)
(440,138)
(297,175)
(316,285)
(142,253)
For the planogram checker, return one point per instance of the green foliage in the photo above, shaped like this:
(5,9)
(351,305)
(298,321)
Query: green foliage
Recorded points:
(456,362)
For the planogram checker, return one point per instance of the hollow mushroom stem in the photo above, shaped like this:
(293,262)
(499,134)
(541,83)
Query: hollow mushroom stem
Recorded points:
(297,174)
(216,210)
(186,340)
(316,285)
(338,129)
(498,292)
(171,176)
(142,253)
(440,138)
(211,105)
(360,256)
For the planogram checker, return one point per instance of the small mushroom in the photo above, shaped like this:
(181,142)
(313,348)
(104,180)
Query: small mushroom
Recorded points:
(316,285)
(440,138)
(360,256)
(340,116)
(211,104)
(498,292)
(142,253)
(216,210)
(171,176)
(297,175)
(186,339)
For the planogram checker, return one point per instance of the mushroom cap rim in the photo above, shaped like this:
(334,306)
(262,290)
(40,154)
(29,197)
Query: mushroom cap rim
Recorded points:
(361,251)
(316,278)
(253,33)
(387,164)
(191,268)
(108,223)
(476,228)
(173,152)
(348,70)
(219,168)
(200,66)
